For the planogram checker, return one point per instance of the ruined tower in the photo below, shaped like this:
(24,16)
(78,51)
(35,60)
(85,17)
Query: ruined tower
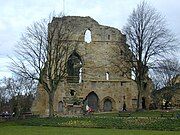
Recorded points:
(97,70)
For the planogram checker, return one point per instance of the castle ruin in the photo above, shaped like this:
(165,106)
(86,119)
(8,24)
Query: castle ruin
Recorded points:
(97,71)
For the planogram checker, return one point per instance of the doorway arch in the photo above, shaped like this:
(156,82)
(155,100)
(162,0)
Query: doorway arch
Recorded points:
(107,105)
(92,99)
(60,107)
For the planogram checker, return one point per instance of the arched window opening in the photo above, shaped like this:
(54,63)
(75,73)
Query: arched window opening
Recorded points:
(109,37)
(107,76)
(121,52)
(87,36)
(72,92)
(133,73)
(80,75)
(74,68)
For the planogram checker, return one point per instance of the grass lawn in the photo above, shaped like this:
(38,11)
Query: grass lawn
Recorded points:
(38,130)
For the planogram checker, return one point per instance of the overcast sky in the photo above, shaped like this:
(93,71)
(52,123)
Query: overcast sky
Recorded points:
(16,15)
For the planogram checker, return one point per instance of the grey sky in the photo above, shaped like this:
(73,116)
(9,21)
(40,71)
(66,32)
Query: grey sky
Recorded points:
(15,15)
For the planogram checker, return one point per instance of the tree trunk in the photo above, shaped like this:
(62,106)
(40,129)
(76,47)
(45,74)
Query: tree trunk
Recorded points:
(138,101)
(139,86)
(51,103)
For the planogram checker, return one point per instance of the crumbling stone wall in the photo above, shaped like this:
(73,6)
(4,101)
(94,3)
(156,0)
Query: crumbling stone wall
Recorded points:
(105,75)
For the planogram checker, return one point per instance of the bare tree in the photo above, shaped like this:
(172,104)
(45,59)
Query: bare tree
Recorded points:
(149,40)
(42,55)
(166,72)
(18,85)
(17,94)
(3,94)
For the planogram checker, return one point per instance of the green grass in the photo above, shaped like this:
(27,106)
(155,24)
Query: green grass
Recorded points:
(38,130)
(148,122)
(133,123)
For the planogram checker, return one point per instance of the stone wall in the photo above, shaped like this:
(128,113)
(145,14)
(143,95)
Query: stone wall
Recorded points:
(105,73)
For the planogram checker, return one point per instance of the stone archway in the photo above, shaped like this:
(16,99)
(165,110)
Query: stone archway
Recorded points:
(92,99)
(108,104)
(60,107)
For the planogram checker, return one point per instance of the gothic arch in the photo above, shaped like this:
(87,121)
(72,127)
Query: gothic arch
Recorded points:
(60,107)
(74,68)
(108,104)
(93,100)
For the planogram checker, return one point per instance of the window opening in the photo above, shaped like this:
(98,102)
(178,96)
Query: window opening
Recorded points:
(72,92)
(80,75)
(121,83)
(87,36)
(121,52)
(107,75)
(133,73)
(74,68)
(108,37)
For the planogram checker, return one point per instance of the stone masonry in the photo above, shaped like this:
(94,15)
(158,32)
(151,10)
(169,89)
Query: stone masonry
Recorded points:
(97,71)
